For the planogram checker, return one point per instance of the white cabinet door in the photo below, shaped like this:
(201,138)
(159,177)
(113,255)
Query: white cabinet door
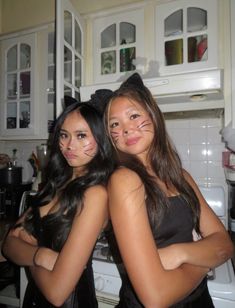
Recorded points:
(118,39)
(187,36)
(233,59)
(69,52)
(18,87)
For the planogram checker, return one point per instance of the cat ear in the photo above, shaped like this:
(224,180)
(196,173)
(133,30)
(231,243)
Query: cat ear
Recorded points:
(133,81)
(69,100)
(100,99)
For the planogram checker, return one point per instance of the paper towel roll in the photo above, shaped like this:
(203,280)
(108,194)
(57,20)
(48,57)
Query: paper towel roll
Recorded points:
(228,136)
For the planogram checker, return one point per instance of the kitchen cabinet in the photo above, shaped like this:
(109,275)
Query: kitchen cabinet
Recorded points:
(23,85)
(69,52)
(187,36)
(117,41)
(233,62)
(51,80)
(34,64)
(18,90)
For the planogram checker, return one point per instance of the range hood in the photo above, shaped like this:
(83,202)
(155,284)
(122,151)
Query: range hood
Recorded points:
(200,90)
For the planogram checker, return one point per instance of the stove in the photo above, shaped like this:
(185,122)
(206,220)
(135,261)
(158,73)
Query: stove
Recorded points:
(221,281)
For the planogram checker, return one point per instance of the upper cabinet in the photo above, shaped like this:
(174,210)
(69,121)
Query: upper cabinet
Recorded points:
(38,68)
(117,42)
(19,96)
(156,38)
(186,36)
(69,52)
(233,63)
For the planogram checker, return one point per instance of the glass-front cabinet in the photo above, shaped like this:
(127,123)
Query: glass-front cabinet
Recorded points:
(186,37)
(69,52)
(51,82)
(118,42)
(38,70)
(17,97)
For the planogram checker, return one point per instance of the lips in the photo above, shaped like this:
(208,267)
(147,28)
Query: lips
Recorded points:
(69,155)
(132,141)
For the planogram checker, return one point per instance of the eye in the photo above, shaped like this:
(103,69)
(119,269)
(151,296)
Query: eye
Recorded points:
(113,125)
(81,135)
(63,135)
(134,116)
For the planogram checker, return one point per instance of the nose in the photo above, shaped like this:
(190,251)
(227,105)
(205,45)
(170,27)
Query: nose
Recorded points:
(70,144)
(127,129)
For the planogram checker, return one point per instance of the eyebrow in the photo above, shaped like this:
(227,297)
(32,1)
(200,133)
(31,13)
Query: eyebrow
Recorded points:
(127,111)
(76,131)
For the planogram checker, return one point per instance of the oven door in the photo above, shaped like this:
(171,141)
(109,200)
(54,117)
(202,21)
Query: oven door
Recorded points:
(106,300)
(222,286)
(107,283)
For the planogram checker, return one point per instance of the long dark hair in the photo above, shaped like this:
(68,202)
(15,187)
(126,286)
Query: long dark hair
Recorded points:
(162,156)
(70,193)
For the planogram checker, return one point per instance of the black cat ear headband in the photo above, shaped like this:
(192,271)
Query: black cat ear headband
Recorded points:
(101,97)
(134,81)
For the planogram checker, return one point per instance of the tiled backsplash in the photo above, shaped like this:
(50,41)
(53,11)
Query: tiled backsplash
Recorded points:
(198,142)
(200,147)
(24,148)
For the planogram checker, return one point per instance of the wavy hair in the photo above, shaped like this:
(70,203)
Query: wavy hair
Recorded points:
(162,155)
(60,185)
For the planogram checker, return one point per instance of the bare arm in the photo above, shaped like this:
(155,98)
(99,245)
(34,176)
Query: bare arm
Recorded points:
(76,251)
(20,246)
(138,249)
(214,248)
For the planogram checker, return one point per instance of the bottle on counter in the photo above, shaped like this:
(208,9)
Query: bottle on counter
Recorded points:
(14,158)
(124,57)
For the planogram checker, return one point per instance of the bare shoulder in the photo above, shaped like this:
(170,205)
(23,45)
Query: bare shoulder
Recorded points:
(194,185)
(95,201)
(189,179)
(125,187)
(124,176)
(96,192)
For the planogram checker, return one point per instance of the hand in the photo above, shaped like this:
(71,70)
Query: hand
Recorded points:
(171,256)
(46,258)
(23,235)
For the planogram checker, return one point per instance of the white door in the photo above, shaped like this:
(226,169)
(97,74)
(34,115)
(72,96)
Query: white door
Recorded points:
(233,60)
(69,52)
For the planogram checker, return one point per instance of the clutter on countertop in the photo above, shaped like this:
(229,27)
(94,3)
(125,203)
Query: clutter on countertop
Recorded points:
(228,160)
(228,136)
(14,158)
(4,159)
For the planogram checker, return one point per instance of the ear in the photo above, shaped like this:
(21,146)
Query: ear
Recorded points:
(133,81)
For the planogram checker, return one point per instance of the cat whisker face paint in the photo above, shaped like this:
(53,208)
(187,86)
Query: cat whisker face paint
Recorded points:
(130,126)
(90,149)
(76,141)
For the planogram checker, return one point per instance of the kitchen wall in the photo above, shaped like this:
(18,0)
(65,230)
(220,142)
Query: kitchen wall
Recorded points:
(197,140)
(43,11)
(14,14)
(24,148)
(0,16)
(199,144)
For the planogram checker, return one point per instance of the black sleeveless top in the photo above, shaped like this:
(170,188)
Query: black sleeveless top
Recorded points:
(176,227)
(83,295)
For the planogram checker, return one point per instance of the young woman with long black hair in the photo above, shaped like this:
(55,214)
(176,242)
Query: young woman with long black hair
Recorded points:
(57,234)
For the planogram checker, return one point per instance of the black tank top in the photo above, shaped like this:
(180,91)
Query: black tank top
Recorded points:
(83,295)
(175,227)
